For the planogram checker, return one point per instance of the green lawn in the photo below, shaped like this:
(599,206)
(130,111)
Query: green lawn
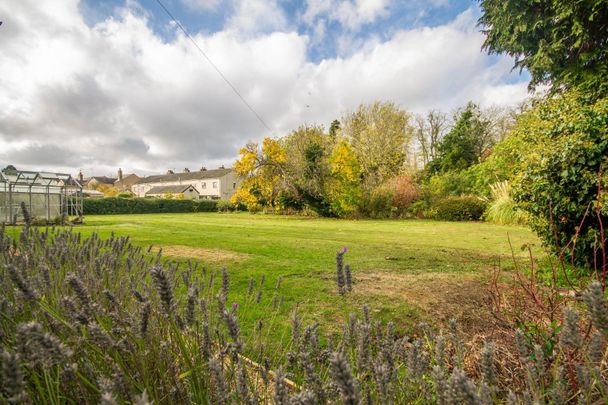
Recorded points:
(435,269)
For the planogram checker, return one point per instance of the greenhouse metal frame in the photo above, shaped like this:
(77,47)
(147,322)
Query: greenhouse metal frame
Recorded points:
(49,196)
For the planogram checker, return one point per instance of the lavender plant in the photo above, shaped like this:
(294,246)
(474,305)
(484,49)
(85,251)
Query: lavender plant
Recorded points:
(92,320)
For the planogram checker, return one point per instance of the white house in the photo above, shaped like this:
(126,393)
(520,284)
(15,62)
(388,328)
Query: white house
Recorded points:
(186,190)
(217,183)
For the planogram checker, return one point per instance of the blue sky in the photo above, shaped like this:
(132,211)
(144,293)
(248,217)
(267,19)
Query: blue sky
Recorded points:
(398,15)
(118,77)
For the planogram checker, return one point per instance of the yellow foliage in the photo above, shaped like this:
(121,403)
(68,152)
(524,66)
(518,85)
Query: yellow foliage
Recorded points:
(344,163)
(260,170)
(345,190)
(107,190)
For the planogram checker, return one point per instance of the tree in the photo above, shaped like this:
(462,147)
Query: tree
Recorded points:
(334,128)
(306,166)
(379,134)
(262,171)
(107,190)
(344,191)
(429,131)
(561,43)
(466,142)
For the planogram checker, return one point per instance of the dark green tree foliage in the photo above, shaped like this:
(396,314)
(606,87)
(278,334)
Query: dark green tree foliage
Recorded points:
(566,164)
(562,43)
(334,127)
(463,146)
(307,168)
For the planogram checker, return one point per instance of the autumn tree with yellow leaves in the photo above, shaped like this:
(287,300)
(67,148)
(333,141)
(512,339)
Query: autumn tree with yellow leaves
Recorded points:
(262,172)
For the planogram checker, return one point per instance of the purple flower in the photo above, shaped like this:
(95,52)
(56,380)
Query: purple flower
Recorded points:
(344,250)
(234,306)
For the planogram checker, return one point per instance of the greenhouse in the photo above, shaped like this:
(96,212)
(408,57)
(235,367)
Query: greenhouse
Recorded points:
(49,196)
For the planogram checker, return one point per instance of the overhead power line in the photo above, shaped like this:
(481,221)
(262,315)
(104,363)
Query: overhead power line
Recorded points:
(217,69)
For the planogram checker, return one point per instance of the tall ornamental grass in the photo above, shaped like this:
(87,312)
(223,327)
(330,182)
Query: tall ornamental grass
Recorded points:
(502,209)
(91,320)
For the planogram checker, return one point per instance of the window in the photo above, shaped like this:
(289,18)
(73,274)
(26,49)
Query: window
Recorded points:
(215,184)
(233,185)
(204,185)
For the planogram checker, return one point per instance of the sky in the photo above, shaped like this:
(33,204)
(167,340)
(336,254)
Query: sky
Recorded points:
(95,85)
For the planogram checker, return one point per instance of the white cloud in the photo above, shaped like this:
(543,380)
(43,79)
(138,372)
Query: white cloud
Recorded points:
(351,14)
(117,94)
(257,16)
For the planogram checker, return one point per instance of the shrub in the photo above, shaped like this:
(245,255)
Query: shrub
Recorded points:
(405,192)
(377,203)
(449,184)
(465,208)
(566,155)
(225,206)
(112,205)
(502,209)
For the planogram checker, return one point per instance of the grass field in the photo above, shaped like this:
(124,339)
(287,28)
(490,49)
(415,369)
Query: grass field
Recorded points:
(435,270)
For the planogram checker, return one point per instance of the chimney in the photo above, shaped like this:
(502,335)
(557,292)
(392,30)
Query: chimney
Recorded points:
(222,167)
(170,171)
(186,170)
(80,176)
(203,169)
(119,174)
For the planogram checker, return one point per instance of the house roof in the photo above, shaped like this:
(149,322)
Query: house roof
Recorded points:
(200,175)
(101,179)
(170,189)
(125,177)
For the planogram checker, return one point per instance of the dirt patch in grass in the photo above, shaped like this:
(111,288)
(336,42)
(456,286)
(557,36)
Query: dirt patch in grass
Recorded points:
(440,296)
(204,254)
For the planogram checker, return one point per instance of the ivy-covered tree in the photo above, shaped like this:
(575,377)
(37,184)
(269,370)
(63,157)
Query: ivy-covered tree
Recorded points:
(307,169)
(561,43)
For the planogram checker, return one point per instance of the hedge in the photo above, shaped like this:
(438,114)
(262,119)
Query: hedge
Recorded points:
(113,205)
(465,208)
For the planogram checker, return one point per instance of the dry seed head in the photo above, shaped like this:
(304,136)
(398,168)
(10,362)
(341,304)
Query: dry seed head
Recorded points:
(23,285)
(225,282)
(340,272)
(144,313)
(441,385)
(571,336)
(596,304)
(463,390)
(81,292)
(596,348)
(190,305)
(349,277)
(12,383)
(163,287)
(304,397)
(219,392)
(250,287)
(344,379)
(487,363)
(38,347)
(281,394)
